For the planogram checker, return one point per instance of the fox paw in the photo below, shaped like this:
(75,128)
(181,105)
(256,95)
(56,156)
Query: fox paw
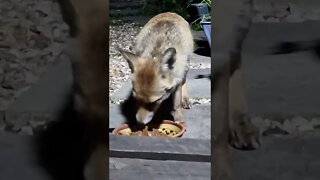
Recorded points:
(243,134)
(186,103)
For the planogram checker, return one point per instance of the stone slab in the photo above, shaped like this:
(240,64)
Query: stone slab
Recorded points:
(197,120)
(45,97)
(195,58)
(199,35)
(281,84)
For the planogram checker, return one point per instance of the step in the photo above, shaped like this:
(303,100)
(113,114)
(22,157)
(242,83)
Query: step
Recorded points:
(197,88)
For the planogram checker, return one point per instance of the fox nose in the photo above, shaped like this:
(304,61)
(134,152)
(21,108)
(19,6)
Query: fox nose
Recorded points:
(144,116)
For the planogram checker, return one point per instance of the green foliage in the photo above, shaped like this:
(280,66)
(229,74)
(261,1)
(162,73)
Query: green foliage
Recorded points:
(207,2)
(154,7)
(115,19)
(196,25)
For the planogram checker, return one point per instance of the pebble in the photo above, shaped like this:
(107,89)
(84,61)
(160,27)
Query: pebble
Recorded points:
(306,127)
(117,164)
(273,20)
(289,126)
(261,123)
(35,124)
(299,121)
(26,130)
(200,101)
(268,122)
(275,124)
(19,122)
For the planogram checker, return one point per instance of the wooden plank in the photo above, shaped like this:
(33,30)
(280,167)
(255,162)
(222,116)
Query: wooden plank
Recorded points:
(134,169)
(160,148)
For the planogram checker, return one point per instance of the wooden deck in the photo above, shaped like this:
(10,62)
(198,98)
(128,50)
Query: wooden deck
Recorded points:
(159,158)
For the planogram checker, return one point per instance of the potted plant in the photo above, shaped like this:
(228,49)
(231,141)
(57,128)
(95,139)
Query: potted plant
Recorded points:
(206,24)
(203,9)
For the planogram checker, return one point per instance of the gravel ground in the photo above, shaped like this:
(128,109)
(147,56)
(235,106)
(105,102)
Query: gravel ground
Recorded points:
(32,38)
(122,35)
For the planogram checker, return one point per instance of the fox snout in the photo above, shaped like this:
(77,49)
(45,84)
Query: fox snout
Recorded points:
(144,116)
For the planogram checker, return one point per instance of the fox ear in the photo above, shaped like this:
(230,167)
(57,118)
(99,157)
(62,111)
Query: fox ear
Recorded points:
(130,57)
(168,59)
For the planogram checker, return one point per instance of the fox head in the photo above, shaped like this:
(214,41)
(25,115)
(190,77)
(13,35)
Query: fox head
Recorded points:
(153,80)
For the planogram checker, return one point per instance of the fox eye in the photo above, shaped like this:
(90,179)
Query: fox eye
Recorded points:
(150,106)
(168,89)
(165,90)
(157,99)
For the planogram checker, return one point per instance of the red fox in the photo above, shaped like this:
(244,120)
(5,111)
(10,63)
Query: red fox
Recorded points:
(160,64)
